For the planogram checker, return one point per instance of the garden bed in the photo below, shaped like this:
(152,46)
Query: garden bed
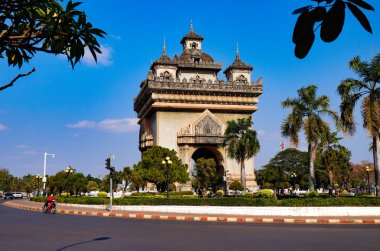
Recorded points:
(226,201)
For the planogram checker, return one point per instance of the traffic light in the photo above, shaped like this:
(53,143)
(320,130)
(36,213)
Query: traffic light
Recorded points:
(112,169)
(108,163)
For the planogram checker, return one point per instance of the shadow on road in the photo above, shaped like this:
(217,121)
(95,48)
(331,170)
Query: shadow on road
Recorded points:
(84,242)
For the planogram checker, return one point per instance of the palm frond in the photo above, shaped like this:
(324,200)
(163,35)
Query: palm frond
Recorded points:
(370,110)
(359,67)
(374,67)
(347,113)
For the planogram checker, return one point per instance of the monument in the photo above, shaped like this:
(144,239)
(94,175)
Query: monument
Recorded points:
(183,105)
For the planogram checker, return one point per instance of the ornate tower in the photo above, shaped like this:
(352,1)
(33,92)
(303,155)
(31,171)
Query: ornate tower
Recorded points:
(182,105)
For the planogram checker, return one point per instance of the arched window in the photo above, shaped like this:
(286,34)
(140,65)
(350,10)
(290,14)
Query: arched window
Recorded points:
(241,79)
(194,45)
(166,76)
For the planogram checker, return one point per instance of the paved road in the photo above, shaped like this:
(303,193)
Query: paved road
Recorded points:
(26,230)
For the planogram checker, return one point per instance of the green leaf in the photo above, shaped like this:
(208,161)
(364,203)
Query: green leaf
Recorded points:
(360,17)
(362,4)
(333,22)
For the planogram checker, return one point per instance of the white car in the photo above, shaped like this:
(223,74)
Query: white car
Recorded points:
(17,195)
(93,194)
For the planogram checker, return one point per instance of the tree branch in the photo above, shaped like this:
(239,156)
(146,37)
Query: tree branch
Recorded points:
(15,79)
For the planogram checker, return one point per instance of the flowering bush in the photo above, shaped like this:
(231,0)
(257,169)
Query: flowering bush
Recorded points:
(311,194)
(102,194)
(249,194)
(266,193)
(219,193)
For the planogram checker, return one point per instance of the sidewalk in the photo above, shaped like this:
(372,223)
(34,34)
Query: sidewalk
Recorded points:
(86,210)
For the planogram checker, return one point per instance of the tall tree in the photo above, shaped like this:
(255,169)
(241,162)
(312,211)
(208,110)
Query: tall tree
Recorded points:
(306,114)
(241,141)
(206,175)
(5,180)
(367,89)
(152,170)
(335,160)
(31,26)
(288,166)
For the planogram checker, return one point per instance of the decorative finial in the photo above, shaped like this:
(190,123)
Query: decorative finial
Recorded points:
(191,26)
(237,52)
(164,49)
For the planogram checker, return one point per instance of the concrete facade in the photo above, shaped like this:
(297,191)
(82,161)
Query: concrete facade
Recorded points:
(182,105)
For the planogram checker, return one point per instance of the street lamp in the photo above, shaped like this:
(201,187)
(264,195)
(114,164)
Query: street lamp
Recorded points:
(293,176)
(38,177)
(225,182)
(68,170)
(368,169)
(44,178)
(167,162)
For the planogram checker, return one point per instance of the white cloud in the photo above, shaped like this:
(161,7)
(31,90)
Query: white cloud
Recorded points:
(82,124)
(109,125)
(261,132)
(119,125)
(3,127)
(104,58)
(116,37)
(21,146)
(30,152)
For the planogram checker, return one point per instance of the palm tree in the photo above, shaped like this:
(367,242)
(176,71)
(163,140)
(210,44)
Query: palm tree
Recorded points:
(306,114)
(367,89)
(242,142)
(334,157)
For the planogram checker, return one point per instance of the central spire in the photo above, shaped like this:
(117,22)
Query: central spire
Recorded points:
(164,48)
(191,26)
(237,52)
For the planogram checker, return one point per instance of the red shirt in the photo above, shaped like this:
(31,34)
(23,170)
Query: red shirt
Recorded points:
(50,198)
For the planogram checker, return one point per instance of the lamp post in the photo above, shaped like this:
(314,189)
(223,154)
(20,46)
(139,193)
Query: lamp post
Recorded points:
(293,176)
(167,162)
(225,182)
(368,169)
(44,177)
(68,170)
(38,177)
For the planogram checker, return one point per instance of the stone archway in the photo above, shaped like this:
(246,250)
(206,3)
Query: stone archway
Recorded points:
(207,153)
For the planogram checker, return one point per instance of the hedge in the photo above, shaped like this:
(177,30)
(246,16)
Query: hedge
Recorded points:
(225,201)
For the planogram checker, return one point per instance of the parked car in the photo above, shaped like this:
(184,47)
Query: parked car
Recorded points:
(17,195)
(9,196)
(93,194)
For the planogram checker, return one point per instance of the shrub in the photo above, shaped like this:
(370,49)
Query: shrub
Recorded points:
(225,201)
(266,193)
(236,186)
(268,185)
(65,194)
(181,193)
(143,194)
(311,194)
(249,194)
(102,194)
(172,187)
(219,193)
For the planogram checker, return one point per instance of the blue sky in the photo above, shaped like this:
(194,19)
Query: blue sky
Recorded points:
(85,114)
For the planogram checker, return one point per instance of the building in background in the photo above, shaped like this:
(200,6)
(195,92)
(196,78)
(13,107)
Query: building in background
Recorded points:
(182,105)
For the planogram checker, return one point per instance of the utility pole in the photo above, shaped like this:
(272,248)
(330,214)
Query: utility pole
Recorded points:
(112,170)
(44,177)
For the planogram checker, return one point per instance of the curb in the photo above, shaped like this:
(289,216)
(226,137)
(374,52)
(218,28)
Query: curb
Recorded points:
(207,218)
